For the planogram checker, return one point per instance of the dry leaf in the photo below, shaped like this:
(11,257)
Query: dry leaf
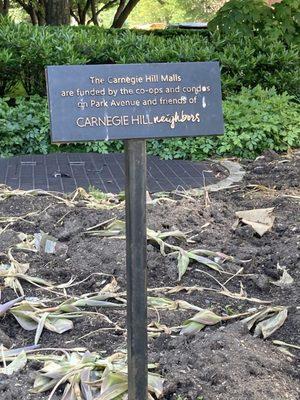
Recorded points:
(261,219)
(111,287)
(267,327)
(285,280)
(266,320)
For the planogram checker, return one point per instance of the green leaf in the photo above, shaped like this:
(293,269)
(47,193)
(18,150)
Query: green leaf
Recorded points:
(155,384)
(59,325)
(85,378)
(183,263)
(199,321)
(205,261)
(206,317)
(267,320)
(25,319)
(191,327)
(40,327)
(94,302)
(69,393)
(16,365)
(113,392)
(267,327)
(113,385)
(161,303)
(43,384)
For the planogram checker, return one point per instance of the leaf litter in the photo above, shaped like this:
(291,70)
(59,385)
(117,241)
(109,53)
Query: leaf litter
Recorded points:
(197,289)
(116,229)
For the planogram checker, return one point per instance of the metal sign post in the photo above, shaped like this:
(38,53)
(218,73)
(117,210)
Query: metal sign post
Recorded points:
(136,245)
(134,103)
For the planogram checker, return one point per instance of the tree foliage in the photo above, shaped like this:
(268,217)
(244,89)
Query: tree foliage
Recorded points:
(257,18)
(35,9)
(172,11)
(84,12)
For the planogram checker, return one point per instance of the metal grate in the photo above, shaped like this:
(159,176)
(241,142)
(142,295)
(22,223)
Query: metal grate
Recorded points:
(64,172)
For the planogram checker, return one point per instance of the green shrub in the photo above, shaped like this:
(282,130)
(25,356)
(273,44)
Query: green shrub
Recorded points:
(252,18)
(260,61)
(246,17)
(9,71)
(245,61)
(255,120)
(24,128)
(32,48)
(287,21)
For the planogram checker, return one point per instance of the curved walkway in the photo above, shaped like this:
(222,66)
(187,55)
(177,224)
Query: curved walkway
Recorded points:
(64,172)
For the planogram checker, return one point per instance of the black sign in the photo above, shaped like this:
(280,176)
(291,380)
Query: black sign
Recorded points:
(105,102)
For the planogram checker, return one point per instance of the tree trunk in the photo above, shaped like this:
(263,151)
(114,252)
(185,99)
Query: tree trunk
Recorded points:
(82,12)
(80,15)
(124,14)
(40,12)
(41,18)
(94,12)
(57,12)
(4,7)
(33,16)
(74,16)
(119,11)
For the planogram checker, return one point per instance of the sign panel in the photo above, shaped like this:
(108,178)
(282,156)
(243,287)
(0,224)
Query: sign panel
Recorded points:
(106,102)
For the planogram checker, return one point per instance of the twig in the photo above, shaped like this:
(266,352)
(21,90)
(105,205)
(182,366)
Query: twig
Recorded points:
(206,195)
(233,276)
(5,228)
(62,218)
(212,277)
(96,331)
(100,224)
(86,279)
(280,343)
(189,289)
(291,196)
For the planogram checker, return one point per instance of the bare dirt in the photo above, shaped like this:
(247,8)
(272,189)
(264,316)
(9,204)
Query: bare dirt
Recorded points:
(223,361)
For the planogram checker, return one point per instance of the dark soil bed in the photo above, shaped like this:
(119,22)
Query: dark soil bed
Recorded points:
(223,361)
